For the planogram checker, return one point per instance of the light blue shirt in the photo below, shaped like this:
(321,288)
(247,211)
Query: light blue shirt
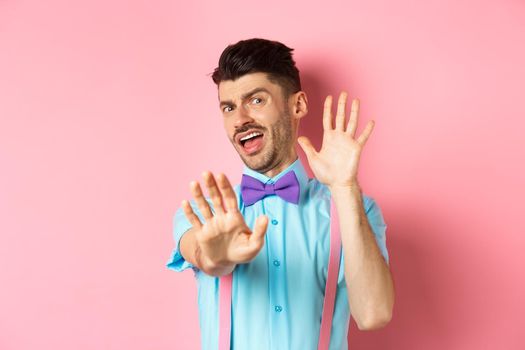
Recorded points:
(277,298)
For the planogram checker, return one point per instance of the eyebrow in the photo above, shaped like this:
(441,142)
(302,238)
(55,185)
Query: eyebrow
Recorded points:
(245,96)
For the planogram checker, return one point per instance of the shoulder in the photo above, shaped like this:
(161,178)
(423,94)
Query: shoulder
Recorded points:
(317,190)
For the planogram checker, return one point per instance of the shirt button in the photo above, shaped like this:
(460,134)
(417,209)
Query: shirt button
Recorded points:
(278,308)
(276,262)
(274,222)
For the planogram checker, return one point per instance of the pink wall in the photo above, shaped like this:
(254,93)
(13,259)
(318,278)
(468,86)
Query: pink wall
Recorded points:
(107,113)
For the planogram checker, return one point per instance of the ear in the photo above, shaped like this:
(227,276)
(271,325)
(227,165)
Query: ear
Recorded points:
(300,104)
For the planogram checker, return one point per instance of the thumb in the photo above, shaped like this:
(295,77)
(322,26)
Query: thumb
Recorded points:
(259,229)
(307,146)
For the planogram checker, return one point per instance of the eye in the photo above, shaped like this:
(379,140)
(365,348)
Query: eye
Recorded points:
(224,109)
(257,99)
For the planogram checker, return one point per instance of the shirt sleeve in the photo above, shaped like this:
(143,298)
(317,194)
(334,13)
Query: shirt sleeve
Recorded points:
(180,226)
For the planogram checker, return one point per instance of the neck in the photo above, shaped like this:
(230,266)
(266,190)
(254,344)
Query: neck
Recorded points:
(283,164)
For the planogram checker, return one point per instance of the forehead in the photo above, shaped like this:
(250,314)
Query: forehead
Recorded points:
(235,89)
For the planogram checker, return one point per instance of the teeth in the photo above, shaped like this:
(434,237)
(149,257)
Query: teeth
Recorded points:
(249,136)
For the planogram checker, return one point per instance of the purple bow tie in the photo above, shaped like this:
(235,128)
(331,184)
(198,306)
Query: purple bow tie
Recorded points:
(287,187)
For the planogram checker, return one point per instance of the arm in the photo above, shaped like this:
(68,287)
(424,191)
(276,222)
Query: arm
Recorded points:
(368,279)
(369,282)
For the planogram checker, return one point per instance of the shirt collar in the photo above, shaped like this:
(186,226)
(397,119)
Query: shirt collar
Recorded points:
(296,166)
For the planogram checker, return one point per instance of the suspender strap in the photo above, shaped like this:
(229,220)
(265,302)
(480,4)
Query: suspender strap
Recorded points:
(331,279)
(225,300)
(225,291)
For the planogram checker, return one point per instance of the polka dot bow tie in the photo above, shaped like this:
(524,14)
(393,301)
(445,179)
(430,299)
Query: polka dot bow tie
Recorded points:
(287,187)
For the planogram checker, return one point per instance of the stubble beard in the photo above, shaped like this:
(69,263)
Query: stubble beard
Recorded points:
(277,147)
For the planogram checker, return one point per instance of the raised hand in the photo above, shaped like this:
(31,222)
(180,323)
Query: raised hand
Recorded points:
(336,164)
(224,238)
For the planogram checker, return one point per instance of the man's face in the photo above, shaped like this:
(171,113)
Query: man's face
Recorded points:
(257,120)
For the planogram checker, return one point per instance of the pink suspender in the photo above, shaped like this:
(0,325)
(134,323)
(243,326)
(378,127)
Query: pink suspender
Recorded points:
(225,291)
(331,279)
(225,301)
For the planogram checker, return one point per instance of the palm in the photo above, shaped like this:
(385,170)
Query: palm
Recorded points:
(336,164)
(238,245)
(224,237)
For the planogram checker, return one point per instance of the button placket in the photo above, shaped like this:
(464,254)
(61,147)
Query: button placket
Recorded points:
(276,272)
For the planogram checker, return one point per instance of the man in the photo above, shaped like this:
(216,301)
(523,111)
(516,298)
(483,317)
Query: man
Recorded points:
(277,246)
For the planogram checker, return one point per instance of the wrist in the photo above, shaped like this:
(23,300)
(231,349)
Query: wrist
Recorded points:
(352,186)
(220,270)
(214,267)
(343,193)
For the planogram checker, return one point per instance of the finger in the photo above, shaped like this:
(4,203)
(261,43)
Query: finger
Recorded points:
(340,116)
(354,113)
(307,146)
(327,113)
(190,214)
(259,229)
(366,133)
(214,192)
(204,207)
(228,194)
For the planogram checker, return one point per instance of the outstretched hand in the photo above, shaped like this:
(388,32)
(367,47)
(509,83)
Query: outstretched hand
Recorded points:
(336,164)
(223,238)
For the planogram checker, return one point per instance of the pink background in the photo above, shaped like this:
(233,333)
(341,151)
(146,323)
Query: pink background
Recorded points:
(107,112)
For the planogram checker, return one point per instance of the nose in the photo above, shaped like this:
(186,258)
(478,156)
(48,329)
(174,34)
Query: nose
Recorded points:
(242,117)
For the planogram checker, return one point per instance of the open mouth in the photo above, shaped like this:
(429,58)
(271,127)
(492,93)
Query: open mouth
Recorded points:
(252,142)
